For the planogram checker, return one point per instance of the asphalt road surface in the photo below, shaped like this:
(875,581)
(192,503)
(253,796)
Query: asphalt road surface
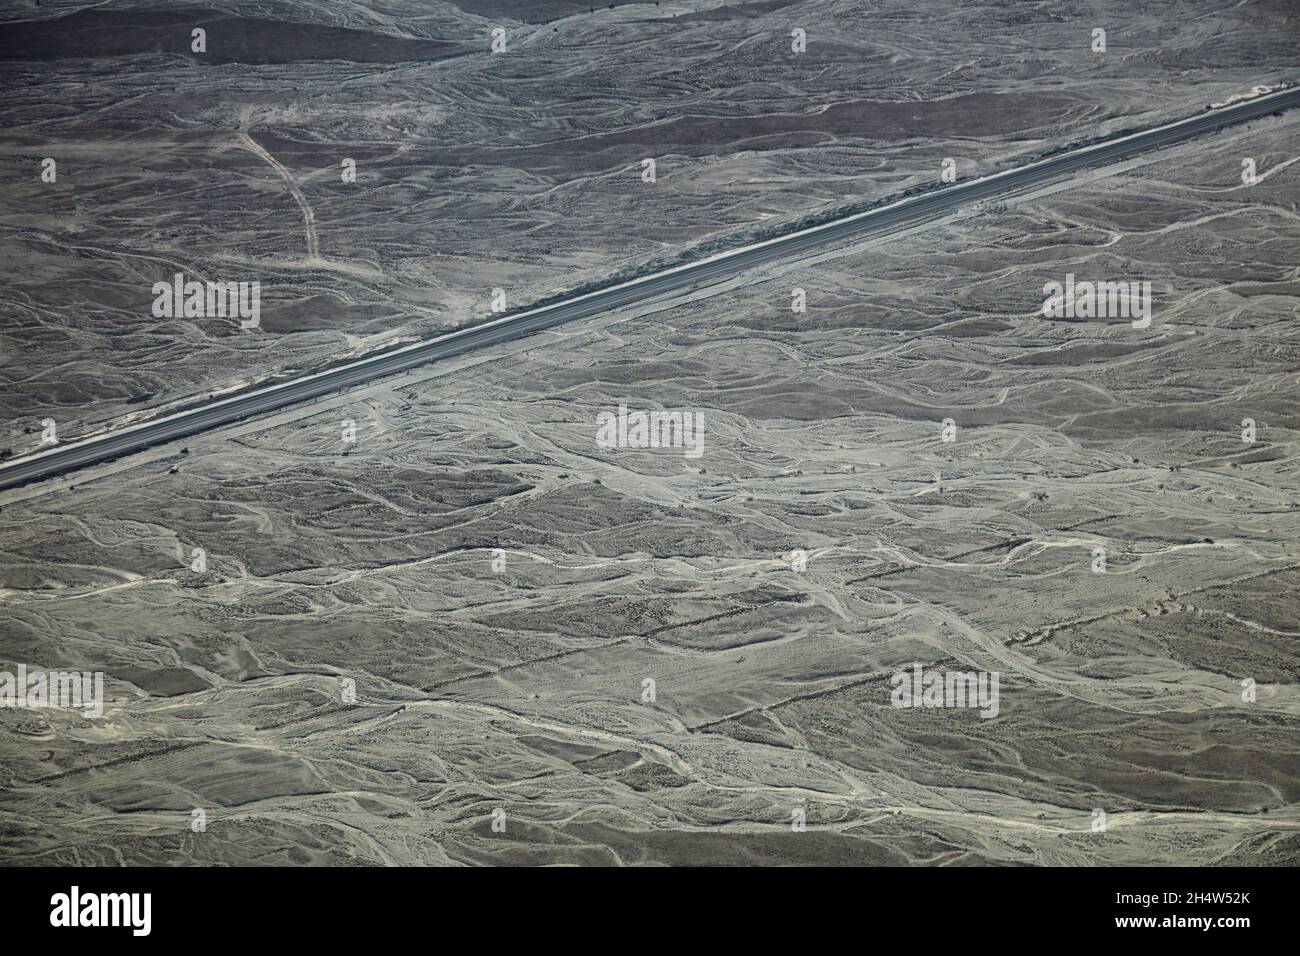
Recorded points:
(115,443)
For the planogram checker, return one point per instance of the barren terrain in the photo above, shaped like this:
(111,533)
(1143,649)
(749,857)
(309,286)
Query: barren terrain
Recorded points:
(499,588)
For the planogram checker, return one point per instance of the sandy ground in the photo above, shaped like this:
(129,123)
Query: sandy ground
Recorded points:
(500,588)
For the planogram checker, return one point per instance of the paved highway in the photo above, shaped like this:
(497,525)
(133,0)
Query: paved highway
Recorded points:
(58,459)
